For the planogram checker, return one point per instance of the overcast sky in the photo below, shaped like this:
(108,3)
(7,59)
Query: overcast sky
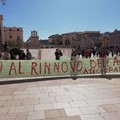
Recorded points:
(50,17)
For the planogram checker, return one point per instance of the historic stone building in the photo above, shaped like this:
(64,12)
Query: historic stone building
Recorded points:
(68,38)
(111,39)
(12,35)
(33,41)
(81,40)
(90,39)
(114,39)
(105,40)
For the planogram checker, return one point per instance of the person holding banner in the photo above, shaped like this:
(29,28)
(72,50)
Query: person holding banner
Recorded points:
(73,55)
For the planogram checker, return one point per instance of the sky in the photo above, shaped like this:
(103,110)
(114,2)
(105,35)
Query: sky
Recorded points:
(49,17)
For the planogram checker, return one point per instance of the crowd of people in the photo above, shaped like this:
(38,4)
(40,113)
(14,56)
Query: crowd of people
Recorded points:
(90,52)
(17,54)
(10,55)
(101,52)
(14,53)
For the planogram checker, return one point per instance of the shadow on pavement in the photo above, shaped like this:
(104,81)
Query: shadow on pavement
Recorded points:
(26,80)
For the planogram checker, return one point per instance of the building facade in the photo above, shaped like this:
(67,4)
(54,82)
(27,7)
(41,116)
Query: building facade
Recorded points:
(12,35)
(33,41)
(81,40)
(114,39)
(68,38)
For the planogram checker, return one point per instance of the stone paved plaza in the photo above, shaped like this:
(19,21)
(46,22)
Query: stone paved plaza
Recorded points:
(62,99)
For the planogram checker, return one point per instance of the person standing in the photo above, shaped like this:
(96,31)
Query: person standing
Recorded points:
(22,55)
(60,53)
(73,61)
(12,56)
(57,55)
(73,55)
(28,55)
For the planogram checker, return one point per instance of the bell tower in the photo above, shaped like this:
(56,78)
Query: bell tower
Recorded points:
(34,33)
(33,41)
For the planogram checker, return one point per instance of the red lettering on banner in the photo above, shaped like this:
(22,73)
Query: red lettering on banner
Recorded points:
(40,70)
(115,61)
(12,67)
(73,66)
(0,67)
(56,66)
(33,68)
(105,70)
(92,64)
(99,63)
(47,68)
(19,70)
(115,70)
(85,71)
(91,71)
(98,71)
(110,69)
(62,67)
(79,63)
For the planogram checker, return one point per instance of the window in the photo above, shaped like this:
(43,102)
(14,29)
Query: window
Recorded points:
(18,37)
(17,29)
(10,29)
(10,36)
(67,42)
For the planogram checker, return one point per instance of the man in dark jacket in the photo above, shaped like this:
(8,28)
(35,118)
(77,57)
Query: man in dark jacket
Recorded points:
(57,55)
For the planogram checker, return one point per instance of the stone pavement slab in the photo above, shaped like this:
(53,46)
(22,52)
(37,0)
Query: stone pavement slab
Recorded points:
(61,99)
